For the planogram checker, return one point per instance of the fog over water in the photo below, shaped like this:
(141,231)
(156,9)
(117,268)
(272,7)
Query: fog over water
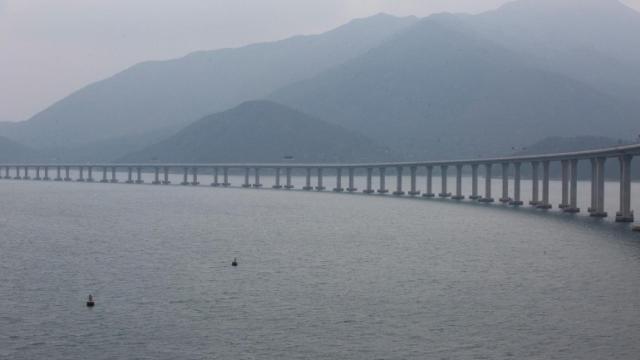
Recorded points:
(321,276)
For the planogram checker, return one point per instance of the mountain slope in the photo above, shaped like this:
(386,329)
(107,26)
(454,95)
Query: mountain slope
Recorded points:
(13,152)
(158,94)
(440,91)
(261,131)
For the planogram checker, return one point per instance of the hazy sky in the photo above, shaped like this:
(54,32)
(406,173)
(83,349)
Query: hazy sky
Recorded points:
(49,48)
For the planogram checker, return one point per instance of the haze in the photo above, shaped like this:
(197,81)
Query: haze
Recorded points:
(50,49)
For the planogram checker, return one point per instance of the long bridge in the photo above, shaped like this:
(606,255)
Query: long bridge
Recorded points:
(539,194)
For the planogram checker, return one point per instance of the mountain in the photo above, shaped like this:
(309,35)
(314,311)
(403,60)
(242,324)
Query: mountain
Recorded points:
(441,91)
(261,131)
(595,41)
(13,152)
(159,94)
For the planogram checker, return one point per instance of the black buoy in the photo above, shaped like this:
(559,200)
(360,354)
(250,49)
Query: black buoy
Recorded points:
(90,301)
(235,262)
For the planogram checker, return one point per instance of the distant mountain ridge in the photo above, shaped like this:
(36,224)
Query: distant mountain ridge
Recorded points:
(159,94)
(261,131)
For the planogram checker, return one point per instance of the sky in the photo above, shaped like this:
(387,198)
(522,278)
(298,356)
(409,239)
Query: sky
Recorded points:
(50,48)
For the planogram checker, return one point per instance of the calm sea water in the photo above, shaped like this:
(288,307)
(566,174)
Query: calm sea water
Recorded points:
(321,276)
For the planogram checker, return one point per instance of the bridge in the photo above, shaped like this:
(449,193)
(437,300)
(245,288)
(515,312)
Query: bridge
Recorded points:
(539,194)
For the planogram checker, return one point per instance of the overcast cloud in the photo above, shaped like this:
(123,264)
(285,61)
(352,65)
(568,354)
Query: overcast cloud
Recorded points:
(50,48)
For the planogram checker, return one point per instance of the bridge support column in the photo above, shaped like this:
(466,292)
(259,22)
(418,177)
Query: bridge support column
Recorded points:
(307,183)
(17,177)
(414,190)
(516,185)
(352,187)
(66,174)
(246,183)
(26,173)
(443,175)
(597,188)
(104,175)
(114,179)
(458,195)
(277,185)
(80,178)
(505,184)
(382,185)
(156,176)
(338,187)
(37,173)
(256,182)
(487,185)
(194,176)
(185,176)
(535,201)
(625,214)
(429,193)
(215,177)
(90,174)
(573,194)
(474,182)
(46,173)
(289,185)
(139,176)
(565,184)
(129,176)
(319,186)
(399,191)
(58,174)
(225,174)
(6,173)
(369,189)
(166,181)
(545,204)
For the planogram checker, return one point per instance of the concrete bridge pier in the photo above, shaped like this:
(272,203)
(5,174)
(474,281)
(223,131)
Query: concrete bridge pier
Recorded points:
(307,182)
(256,182)
(66,174)
(443,175)
(277,185)
(139,176)
(505,184)
(535,201)
(114,179)
(338,187)
(166,181)
(26,173)
(319,186)
(516,185)
(414,190)
(565,184)
(573,194)
(246,179)
(383,187)
(6,173)
(369,189)
(597,188)
(156,176)
(37,173)
(225,174)
(215,177)
(288,185)
(458,195)
(625,214)
(399,191)
(46,174)
(429,193)
(194,176)
(545,204)
(129,175)
(81,177)
(185,176)
(90,174)
(474,182)
(58,174)
(351,187)
(487,185)
(104,175)
(17,177)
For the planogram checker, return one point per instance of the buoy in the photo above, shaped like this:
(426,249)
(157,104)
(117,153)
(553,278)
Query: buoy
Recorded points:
(235,262)
(90,301)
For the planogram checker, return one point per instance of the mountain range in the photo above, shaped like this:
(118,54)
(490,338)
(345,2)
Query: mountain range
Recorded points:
(445,86)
